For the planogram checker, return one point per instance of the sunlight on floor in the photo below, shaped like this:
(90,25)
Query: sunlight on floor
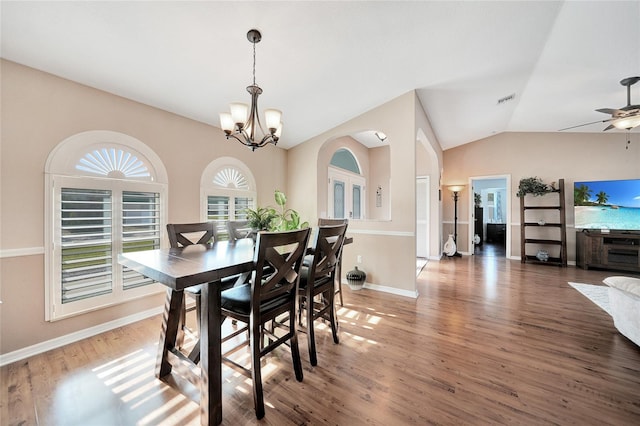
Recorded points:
(148,400)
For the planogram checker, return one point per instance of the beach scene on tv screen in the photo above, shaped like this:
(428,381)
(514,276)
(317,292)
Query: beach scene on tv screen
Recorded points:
(613,204)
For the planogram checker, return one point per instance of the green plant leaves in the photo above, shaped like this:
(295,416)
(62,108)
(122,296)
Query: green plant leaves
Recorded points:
(269,219)
(281,199)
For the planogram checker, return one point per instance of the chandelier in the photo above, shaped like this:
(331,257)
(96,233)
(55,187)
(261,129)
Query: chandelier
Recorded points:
(243,121)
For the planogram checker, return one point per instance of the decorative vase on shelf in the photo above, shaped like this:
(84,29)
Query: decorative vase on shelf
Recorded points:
(356,278)
(450,246)
(542,255)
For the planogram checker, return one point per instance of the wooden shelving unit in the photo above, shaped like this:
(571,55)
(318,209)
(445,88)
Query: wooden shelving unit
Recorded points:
(543,226)
(615,250)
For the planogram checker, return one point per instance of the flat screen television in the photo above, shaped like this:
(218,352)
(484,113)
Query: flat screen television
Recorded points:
(607,205)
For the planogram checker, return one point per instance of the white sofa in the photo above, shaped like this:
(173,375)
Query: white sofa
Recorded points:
(624,301)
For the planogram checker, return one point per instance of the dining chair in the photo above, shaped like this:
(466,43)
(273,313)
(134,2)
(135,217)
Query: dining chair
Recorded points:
(332,222)
(271,292)
(238,229)
(184,234)
(318,279)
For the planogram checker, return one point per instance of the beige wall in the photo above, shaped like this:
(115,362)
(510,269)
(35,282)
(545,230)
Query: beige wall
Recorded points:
(39,111)
(379,177)
(550,156)
(387,247)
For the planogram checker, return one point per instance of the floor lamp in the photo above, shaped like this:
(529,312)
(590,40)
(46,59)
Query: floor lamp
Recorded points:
(456,190)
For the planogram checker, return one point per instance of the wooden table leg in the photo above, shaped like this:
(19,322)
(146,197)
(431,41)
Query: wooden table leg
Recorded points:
(210,356)
(170,325)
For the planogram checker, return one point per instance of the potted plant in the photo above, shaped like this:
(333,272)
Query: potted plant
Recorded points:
(260,219)
(533,186)
(286,219)
(270,219)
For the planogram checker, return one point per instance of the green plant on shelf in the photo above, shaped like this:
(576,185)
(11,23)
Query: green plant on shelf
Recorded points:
(533,186)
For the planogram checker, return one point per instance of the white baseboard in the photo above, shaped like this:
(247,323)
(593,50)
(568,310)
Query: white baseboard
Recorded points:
(48,345)
(388,289)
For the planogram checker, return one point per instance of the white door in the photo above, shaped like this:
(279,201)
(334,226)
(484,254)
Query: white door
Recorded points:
(422,217)
(346,195)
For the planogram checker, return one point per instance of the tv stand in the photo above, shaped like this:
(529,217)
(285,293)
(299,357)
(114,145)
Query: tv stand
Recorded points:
(615,250)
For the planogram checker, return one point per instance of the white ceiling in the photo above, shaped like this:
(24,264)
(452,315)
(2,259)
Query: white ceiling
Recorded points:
(323,63)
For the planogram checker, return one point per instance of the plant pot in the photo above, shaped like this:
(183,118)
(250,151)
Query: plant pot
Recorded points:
(356,278)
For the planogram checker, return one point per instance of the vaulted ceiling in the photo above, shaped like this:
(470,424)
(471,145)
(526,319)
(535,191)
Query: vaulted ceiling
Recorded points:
(479,68)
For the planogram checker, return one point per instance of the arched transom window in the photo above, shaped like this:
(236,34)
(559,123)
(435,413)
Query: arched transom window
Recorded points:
(114,163)
(228,189)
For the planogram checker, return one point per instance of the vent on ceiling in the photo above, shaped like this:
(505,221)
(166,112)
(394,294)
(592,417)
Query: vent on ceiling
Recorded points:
(507,98)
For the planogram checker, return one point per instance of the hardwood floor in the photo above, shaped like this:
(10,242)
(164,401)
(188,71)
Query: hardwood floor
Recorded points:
(489,341)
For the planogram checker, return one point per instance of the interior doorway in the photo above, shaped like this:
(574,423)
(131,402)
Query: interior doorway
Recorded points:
(490,231)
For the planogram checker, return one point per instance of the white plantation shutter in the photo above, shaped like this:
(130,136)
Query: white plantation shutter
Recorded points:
(240,206)
(228,189)
(85,243)
(218,207)
(140,230)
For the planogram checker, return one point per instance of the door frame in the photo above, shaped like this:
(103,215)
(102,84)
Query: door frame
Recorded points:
(427,210)
(471,222)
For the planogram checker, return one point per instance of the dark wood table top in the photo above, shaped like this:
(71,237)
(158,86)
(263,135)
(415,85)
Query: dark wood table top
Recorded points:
(192,265)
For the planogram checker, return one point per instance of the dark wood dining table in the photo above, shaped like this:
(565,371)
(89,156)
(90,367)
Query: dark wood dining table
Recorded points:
(179,268)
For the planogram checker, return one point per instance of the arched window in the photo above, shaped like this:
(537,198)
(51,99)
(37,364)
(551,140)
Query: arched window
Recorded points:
(107,196)
(228,189)
(346,186)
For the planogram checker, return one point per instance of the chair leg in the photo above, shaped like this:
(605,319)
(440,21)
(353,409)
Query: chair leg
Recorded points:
(311,335)
(256,374)
(295,350)
(198,309)
(333,318)
(339,283)
(182,323)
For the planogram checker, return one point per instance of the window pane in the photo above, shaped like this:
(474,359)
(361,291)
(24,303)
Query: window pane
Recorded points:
(338,199)
(140,230)
(217,207)
(85,225)
(241,204)
(356,201)
(343,159)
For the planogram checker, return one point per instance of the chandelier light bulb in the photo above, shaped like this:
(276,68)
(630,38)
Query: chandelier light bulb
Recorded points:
(239,113)
(272,118)
(226,122)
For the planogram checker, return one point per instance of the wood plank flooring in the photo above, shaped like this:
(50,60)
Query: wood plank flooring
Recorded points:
(489,341)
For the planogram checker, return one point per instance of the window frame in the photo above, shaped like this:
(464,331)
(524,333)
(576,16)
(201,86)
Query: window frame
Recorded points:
(208,187)
(58,310)
(61,172)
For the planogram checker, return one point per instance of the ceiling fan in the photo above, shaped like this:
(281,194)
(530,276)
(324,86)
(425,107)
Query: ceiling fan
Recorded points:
(626,117)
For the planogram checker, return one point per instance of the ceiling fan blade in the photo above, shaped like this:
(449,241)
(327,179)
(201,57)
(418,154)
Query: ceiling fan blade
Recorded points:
(585,124)
(611,111)
(609,127)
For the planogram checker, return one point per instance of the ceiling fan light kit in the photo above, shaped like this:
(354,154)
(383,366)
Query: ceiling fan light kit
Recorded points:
(625,118)
(628,116)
